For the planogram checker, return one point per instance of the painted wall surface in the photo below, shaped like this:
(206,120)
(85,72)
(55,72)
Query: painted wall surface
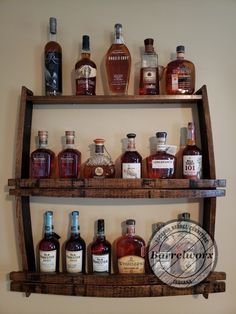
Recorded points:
(207,29)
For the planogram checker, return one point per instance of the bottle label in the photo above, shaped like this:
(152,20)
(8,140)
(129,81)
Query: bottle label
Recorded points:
(149,75)
(131,170)
(48,260)
(74,261)
(85,71)
(181,78)
(131,264)
(99,171)
(163,164)
(40,165)
(192,165)
(100,263)
(53,72)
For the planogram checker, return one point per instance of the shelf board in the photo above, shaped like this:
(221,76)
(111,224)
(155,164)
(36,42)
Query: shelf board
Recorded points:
(147,285)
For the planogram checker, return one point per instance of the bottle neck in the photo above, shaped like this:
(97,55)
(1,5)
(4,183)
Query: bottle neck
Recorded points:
(161,144)
(52,37)
(118,38)
(99,149)
(43,144)
(131,230)
(191,137)
(85,54)
(70,143)
(131,145)
(48,226)
(180,55)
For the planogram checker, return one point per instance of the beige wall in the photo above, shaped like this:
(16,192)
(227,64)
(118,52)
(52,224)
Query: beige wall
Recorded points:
(207,29)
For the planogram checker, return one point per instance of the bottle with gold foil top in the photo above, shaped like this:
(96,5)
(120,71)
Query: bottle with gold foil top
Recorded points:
(118,64)
(99,165)
(130,251)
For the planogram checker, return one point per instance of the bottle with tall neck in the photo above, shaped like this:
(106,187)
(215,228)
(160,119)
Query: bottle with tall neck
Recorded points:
(85,71)
(149,72)
(192,156)
(75,247)
(53,62)
(49,248)
(118,64)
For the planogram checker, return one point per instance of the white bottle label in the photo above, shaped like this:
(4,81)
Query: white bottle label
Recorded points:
(100,263)
(163,164)
(131,264)
(174,82)
(149,76)
(86,71)
(74,261)
(48,261)
(192,165)
(131,170)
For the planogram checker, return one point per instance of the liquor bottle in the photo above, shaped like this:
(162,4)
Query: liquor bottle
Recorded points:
(192,156)
(85,71)
(180,74)
(149,72)
(130,251)
(53,62)
(42,160)
(99,165)
(131,160)
(101,251)
(75,248)
(118,64)
(69,159)
(49,247)
(161,165)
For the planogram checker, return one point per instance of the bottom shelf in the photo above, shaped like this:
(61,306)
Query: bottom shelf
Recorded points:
(109,285)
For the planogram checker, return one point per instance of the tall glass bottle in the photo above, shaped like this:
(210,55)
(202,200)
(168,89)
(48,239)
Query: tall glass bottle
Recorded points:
(49,247)
(75,248)
(192,156)
(130,251)
(161,165)
(131,160)
(180,74)
(85,71)
(149,73)
(118,64)
(101,250)
(99,165)
(69,159)
(53,62)
(42,160)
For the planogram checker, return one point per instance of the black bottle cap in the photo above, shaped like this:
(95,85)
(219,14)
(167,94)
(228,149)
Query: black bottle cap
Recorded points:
(184,216)
(161,134)
(148,41)
(130,222)
(131,135)
(100,225)
(85,43)
(53,25)
(180,49)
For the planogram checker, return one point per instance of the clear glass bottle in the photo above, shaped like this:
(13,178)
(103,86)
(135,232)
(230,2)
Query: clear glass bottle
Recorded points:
(53,62)
(101,251)
(75,248)
(192,156)
(49,247)
(42,160)
(149,72)
(130,251)
(118,64)
(180,74)
(85,71)
(131,160)
(99,165)
(161,165)
(69,159)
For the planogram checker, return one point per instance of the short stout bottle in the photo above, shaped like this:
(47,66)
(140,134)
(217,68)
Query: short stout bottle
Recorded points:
(42,160)
(161,165)
(130,251)
(85,71)
(75,248)
(49,248)
(180,74)
(118,64)
(69,159)
(101,251)
(192,156)
(53,62)
(131,160)
(149,73)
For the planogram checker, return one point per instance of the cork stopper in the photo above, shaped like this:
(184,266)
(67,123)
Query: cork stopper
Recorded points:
(148,42)
(99,141)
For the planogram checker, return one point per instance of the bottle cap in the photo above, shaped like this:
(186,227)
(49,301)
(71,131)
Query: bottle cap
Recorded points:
(161,134)
(130,222)
(99,141)
(131,135)
(85,43)
(53,25)
(184,216)
(75,213)
(70,133)
(148,41)
(180,49)
(118,27)
(100,225)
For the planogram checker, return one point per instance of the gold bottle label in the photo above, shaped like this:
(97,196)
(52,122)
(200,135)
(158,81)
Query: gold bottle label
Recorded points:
(131,264)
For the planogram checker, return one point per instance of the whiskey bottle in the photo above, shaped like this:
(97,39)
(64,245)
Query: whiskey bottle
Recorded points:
(161,165)
(131,160)
(69,159)
(53,62)
(85,71)
(49,248)
(118,64)
(192,156)
(42,160)
(180,74)
(101,251)
(75,248)
(130,251)
(149,73)
(99,165)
